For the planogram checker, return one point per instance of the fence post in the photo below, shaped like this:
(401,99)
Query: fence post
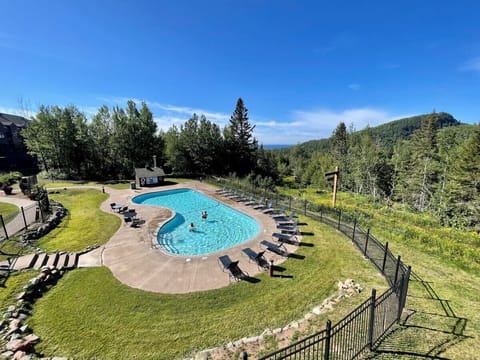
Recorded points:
(305,208)
(371,322)
(366,242)
(385,257)
(4,227)
(41,212)
(24,219)
(403,295)
(396,271)
(327,340)
(354,226)
(339,218)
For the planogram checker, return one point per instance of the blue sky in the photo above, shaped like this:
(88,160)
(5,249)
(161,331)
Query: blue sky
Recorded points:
(301,67)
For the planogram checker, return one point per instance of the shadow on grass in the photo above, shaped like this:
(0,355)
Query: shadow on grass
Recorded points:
(429,329)
(307,233)
(301,243)
(296,256)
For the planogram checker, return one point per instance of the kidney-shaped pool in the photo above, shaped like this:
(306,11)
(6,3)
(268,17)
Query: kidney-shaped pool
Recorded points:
(224,226)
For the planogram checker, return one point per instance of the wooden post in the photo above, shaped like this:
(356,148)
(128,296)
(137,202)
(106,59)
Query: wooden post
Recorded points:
(335,180)
(335,183)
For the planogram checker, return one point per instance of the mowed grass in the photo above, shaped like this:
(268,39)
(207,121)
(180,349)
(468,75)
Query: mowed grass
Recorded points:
(445,289)
(85,224)
(90,315)
(8,211)
(13,286)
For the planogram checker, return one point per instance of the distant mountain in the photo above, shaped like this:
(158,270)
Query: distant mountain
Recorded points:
(387,134)
(276,146)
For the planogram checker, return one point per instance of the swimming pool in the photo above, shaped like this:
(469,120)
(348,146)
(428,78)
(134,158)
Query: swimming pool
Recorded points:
(223,228)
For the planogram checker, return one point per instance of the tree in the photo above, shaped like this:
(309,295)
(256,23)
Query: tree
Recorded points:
(57,136)
(463,207)
(135,137)
(418,170)
(241,144)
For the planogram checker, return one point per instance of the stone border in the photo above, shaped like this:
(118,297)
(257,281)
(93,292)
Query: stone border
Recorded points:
(345,290)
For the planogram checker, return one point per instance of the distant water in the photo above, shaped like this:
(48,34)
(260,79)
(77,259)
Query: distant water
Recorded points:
(275,146)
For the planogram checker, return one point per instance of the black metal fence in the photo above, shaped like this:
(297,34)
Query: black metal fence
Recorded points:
(364,327)
(25,217)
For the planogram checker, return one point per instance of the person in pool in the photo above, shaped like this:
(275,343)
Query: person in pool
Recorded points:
(204,215)
(191,227)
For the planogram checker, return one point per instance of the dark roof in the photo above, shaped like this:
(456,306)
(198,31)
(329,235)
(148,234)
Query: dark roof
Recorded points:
(149,172)
(7,120)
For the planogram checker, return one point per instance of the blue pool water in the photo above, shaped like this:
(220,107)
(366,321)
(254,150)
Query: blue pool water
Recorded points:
(223,228)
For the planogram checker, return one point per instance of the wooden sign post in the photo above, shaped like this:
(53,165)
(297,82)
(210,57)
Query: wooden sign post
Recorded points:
(333,176)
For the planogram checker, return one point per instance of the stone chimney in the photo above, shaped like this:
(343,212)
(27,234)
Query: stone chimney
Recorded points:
(154,161)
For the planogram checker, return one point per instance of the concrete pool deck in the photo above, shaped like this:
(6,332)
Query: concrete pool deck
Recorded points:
(134,260)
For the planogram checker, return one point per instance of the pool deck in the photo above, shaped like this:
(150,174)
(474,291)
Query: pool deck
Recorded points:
(134,259)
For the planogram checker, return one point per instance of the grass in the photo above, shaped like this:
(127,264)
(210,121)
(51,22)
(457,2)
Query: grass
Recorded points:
(85,224)
(123,322)
(8,211)
(445,288)
(13,286)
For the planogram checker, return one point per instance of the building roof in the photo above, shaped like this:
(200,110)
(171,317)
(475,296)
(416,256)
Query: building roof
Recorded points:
(149,172)
(7,120)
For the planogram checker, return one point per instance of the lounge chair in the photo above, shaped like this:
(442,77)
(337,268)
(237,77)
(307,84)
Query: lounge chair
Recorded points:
(234,272)
(277,213)
(285,220)
(257,258)
(286,238)
(264,208)
(123,209)
(249,200)
(257,203)
(289,229)
(222,189)
(238,197)
(275,248)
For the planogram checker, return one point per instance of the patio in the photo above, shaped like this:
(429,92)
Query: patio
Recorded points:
(134,261)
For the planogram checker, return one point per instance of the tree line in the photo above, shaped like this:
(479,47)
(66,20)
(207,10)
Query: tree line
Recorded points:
(118,140)
(434,169)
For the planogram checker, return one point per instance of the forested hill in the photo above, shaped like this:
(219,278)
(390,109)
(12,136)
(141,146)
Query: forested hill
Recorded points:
(387,134)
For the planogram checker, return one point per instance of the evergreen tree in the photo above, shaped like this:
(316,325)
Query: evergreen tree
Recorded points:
(463,207)
(241,144)
(418,170)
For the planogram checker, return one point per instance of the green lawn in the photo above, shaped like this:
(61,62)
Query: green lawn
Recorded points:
(447,261)
(8,211)
(129,323)
(85,224)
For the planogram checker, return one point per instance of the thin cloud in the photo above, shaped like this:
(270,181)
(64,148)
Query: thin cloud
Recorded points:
(318,124)
(354,87)
(471,65)
(173,111)
(20,112)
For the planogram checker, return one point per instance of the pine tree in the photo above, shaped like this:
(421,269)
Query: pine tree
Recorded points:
(464,186)
(242,145)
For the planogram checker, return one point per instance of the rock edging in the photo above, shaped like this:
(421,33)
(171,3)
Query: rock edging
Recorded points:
(346,289)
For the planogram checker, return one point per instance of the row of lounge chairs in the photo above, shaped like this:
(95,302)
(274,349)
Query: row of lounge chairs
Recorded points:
(287,233)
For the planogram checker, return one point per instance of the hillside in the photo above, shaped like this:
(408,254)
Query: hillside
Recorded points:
(387,134)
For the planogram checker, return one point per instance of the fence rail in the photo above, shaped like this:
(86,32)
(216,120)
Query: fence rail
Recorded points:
(364,327)
(21,221)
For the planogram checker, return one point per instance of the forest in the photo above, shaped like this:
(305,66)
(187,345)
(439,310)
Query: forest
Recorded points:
(429,163)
